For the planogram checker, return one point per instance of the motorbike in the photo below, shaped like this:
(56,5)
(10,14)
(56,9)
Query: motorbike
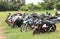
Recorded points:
(44,26)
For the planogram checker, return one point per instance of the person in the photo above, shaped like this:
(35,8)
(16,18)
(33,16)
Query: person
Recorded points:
(56,14)
(46,14)
(9,16)
(50,15)
(24,14)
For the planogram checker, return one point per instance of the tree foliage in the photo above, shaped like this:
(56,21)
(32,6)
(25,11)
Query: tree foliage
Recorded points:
(46,5)
(4,6)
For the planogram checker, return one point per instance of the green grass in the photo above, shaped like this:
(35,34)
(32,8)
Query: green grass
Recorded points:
(16,34)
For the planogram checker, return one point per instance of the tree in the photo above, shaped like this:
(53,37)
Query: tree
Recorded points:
(53,3)
(58,6)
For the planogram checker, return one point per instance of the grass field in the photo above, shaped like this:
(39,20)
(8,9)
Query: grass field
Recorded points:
(16,34)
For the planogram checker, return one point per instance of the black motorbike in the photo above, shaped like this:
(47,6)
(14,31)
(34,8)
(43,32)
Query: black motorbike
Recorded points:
(44,26)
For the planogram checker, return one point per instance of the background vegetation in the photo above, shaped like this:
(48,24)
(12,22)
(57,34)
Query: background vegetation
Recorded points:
(46,5)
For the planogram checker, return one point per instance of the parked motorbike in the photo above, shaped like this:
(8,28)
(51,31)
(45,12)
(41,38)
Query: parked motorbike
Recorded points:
(44,26)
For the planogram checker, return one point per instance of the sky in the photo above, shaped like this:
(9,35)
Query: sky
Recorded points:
(33,1)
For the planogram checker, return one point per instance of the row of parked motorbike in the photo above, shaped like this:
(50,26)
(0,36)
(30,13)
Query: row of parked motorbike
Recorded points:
(36,22)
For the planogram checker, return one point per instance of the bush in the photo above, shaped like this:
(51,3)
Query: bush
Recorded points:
(9,6)
(12,6)
(47,6)
(37,7)
(58,6)
(30,7)
(4,6)
(24,8)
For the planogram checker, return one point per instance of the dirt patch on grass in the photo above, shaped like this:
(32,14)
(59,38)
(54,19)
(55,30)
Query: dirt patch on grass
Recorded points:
(1,33)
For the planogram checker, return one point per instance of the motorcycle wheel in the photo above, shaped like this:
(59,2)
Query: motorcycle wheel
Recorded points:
(23,28)
(36,31)
(53,28)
